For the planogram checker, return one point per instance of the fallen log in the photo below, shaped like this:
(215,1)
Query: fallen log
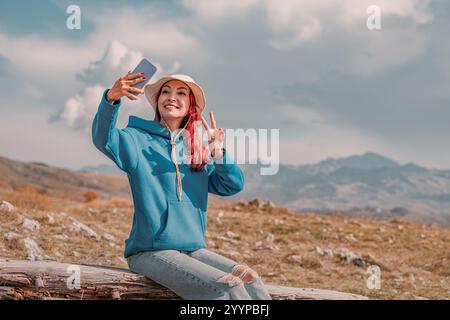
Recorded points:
(20,279)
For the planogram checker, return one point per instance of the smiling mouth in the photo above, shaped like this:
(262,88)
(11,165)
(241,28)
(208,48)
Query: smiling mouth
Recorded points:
(171,106)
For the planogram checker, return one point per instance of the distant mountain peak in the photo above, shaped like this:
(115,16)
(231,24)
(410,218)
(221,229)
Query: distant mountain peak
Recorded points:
(368,160)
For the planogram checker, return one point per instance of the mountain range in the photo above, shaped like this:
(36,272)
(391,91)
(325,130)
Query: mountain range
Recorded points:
(367,185)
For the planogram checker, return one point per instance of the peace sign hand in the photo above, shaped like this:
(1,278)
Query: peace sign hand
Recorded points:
(215,137)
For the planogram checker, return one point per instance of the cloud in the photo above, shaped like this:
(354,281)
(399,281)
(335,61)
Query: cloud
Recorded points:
(151,32)
(79,111)
(295,22)
(218,9)
(118,59)
(47,67)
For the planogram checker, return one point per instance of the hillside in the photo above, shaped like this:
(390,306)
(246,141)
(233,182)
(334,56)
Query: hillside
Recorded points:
(298,250)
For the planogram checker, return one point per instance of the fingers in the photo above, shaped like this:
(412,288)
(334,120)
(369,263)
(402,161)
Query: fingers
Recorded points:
(134,81)
(132,76)
(130,95)
(213,121)
(205,124)
(133,89)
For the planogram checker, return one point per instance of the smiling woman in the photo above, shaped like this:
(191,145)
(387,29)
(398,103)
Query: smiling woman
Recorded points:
(167,239)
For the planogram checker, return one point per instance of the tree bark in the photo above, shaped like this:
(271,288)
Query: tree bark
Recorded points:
(21,279)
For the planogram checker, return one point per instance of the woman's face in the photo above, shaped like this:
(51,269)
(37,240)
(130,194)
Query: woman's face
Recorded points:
(173,102)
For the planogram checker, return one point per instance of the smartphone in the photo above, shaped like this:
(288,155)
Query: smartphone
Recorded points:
(148,69)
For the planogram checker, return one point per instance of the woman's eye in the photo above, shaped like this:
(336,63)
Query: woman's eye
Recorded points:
(182,93)
(165,91)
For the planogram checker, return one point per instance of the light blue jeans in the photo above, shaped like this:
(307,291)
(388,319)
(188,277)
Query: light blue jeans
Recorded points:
(197,275)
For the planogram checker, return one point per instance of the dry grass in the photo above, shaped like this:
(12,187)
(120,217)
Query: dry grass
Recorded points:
(414,259)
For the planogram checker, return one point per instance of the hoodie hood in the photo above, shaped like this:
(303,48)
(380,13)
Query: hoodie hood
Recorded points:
(151,126)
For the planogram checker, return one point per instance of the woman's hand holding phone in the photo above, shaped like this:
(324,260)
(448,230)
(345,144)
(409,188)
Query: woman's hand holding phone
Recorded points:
(123,87)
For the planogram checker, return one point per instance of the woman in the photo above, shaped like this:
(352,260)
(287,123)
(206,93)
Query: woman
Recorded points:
(167,239)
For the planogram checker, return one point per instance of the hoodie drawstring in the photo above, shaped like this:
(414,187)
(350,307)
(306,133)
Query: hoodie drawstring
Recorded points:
(173,142)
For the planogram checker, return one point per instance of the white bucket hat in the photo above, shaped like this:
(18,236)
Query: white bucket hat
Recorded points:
(152,89)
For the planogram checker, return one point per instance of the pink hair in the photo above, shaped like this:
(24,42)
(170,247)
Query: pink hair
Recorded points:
(199,154)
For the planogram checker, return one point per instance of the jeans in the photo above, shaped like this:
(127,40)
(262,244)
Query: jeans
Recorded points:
(199,275)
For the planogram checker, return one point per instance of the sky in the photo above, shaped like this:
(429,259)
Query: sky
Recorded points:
(310,68)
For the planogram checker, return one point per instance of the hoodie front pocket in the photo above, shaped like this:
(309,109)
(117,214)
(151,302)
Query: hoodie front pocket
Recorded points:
(185,224)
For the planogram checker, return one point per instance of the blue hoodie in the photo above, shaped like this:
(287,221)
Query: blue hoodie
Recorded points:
(143,150)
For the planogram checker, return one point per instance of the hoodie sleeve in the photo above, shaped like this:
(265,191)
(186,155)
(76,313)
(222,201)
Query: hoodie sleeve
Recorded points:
(116,144)
(225,178)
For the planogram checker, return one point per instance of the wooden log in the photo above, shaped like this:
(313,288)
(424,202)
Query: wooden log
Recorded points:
(20,279)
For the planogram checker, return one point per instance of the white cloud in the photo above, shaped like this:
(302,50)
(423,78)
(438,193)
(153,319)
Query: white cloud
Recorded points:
(34,56)
(218,9)
(42,62)
(294,22)
(78,111)
(117,60)
(146,31)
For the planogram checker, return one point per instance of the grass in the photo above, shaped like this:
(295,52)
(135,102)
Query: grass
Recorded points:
(414,259)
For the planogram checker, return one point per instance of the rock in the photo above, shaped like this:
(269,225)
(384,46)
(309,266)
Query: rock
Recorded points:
(278,222)
(8,236)
(318,250)
(34,252)
(270,237)
(294,258)
(219,217)
(61,237)
(227,239)
(258,244)
(31,224)
(231,234)
(270,204)
(351,237)
(76,254)
(256,203)
(83,229)
(352,257)
(51,219)
(328,253)
(6,206)
(109,237)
